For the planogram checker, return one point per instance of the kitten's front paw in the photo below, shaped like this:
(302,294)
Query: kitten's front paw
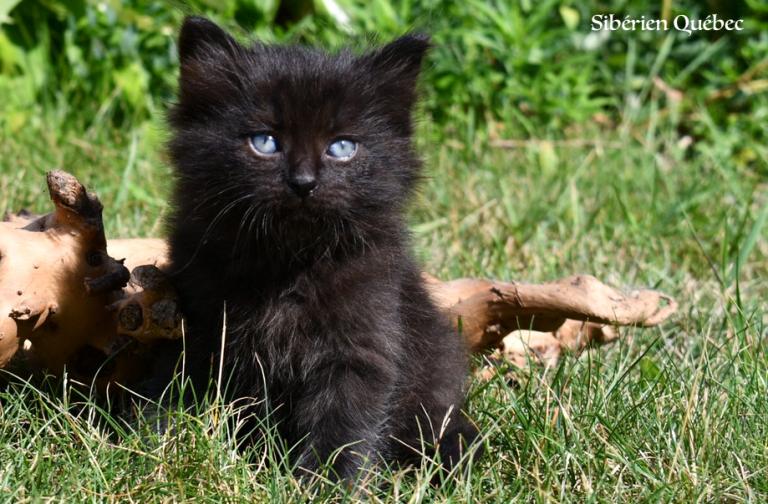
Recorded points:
(460,444)
(342,465)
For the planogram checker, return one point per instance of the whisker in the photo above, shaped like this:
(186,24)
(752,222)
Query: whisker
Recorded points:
(220,215)
(241,226)
(216,195)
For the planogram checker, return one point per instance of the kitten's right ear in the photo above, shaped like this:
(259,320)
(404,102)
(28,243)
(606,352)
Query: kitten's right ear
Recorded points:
(201,37)
(399,62)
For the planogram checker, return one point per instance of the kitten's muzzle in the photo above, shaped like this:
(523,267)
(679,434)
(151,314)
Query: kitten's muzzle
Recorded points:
(303,183)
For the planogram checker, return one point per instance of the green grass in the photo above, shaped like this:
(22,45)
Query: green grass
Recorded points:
(673,413)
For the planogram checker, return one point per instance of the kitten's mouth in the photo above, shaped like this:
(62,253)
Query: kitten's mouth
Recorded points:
(317,208)
(309,204)
(303,210)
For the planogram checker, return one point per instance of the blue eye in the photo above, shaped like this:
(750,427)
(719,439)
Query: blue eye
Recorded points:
(342,149)
(264,144)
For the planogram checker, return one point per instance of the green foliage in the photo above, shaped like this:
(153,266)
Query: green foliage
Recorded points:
(533,66)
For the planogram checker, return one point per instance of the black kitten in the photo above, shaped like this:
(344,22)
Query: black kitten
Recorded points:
(293,168)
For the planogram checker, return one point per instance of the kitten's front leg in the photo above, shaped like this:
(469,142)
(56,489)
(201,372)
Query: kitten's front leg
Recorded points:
(342,412)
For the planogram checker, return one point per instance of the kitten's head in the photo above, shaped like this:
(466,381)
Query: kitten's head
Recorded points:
(291,135)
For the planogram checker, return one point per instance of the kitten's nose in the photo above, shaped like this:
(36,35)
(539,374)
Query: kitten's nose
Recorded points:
(303,183)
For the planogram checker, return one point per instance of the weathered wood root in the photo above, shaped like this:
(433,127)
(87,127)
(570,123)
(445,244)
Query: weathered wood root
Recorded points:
(64,301)
(149,312)
(523,347)
(55,278)
(535,322)
(488,310)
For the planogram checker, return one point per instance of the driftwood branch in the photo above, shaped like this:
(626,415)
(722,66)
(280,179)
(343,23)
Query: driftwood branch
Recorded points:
(66,302)
(487,310)
(47,265)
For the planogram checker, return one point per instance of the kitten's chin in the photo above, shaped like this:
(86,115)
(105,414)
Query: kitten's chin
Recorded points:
(305,210)
(301,219)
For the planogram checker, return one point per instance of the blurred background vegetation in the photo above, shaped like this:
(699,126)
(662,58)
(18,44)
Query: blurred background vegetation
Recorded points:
(529,68)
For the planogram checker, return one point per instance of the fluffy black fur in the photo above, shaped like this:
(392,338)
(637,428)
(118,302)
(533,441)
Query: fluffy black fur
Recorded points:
(326,317)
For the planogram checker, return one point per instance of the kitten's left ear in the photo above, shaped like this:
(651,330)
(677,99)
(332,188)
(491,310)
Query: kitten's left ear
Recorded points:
(200,37)
(399,62)
(207,54)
